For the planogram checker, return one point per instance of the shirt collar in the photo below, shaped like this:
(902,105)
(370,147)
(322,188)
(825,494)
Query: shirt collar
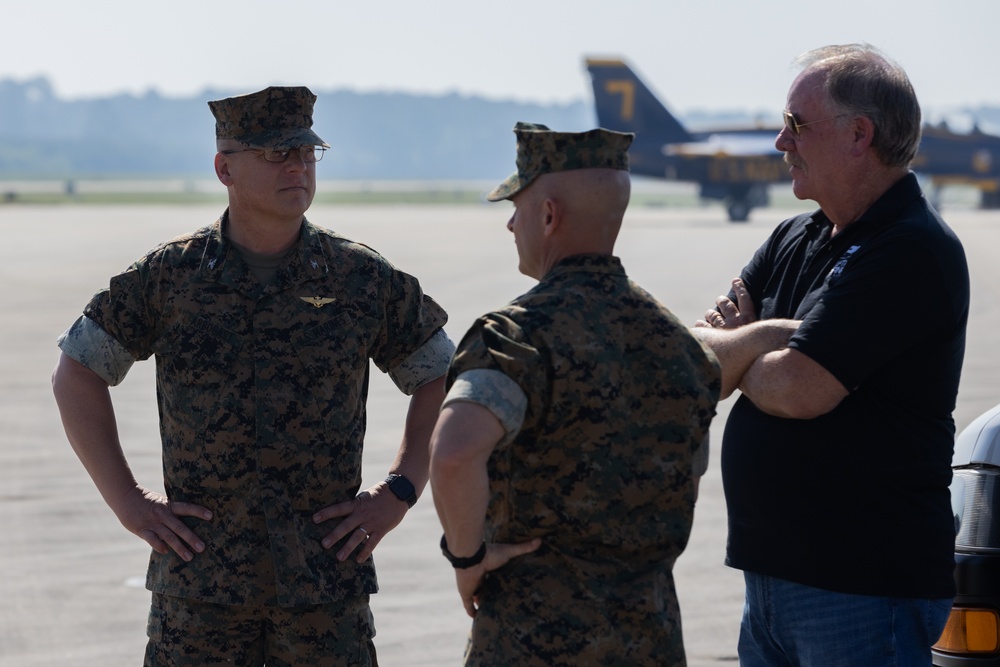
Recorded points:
(887,207)
(305,261)
(591,263)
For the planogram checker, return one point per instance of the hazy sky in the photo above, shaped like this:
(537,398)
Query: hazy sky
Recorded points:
(696,54)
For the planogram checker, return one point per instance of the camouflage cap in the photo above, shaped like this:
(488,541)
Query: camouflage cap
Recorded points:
(276,117)
(542,151)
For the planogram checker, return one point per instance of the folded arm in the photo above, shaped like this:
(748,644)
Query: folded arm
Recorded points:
(755,358)
(787,383)
(738,349)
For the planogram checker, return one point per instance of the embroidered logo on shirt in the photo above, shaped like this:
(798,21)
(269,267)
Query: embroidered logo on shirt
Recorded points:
(838,268)
(317,301)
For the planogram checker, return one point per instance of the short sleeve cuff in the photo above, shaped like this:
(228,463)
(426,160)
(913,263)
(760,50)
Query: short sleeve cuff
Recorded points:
(95,348)
(429,362)
(494,391)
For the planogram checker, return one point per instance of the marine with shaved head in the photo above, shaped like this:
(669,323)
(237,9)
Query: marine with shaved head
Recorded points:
(565,460)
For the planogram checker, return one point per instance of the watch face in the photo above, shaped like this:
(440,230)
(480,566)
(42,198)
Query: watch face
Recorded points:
(403,489)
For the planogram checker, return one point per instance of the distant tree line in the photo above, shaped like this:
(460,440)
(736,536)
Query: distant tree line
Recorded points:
(373,135)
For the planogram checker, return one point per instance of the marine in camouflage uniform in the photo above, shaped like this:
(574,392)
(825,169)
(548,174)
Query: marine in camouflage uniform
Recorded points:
(262,375)
(601,399)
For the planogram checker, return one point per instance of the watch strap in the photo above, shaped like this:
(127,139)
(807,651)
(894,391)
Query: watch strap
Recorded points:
(463,563)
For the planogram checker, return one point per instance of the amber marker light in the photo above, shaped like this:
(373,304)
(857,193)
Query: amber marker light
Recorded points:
(970,631)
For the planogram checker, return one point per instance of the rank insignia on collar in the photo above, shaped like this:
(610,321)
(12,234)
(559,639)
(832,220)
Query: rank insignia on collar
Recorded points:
(317,301)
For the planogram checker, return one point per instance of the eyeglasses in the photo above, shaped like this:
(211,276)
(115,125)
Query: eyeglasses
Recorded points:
(307,153)
(795,127)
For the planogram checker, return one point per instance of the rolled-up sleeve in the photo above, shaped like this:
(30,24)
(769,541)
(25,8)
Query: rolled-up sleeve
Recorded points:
(494,391)
(429,362)
(92,346)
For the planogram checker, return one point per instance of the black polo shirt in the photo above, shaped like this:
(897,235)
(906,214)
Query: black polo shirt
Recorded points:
(856,500)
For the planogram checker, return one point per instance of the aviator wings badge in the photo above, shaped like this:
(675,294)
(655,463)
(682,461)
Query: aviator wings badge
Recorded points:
(317,301)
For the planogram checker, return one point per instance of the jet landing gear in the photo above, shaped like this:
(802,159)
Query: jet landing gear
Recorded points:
(740,201)
(738,209)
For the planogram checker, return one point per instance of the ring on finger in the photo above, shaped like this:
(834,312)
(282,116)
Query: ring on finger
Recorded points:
(367,534)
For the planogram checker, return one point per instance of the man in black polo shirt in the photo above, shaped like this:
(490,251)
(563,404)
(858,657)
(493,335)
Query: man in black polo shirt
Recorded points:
(845,334)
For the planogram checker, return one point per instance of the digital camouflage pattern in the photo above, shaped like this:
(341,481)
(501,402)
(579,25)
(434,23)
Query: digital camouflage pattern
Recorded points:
(261,397)
(542,151)
(276,117)
(620,395)
(187,633)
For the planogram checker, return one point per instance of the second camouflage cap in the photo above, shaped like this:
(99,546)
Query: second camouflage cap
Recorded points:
(542,151)
(276,117)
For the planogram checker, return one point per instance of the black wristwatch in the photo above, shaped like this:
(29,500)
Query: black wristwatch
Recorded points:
(403,488)
(463,563)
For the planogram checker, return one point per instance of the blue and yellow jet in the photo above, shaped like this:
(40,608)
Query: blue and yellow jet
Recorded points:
(736,165)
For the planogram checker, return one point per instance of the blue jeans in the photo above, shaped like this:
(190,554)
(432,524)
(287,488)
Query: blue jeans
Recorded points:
(791,625)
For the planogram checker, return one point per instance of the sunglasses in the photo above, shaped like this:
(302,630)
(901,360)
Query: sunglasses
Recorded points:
(795,127)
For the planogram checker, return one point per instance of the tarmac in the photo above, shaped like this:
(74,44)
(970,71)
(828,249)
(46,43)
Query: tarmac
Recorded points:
(71,578)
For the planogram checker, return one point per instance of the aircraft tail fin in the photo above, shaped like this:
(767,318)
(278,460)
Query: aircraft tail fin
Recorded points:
(624,103)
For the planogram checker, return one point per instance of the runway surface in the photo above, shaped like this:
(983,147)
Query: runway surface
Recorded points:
(71,578)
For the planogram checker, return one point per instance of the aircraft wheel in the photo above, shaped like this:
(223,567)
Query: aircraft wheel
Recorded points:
(990,200)
(739,211)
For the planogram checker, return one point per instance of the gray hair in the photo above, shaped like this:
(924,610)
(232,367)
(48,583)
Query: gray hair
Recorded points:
(862,81)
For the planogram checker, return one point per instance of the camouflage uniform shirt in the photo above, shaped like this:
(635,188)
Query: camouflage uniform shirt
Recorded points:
(261,395)
(619,395)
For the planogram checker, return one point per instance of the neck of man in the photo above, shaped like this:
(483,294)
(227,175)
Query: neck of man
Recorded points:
(264,235)
(575,246)
(860,195)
